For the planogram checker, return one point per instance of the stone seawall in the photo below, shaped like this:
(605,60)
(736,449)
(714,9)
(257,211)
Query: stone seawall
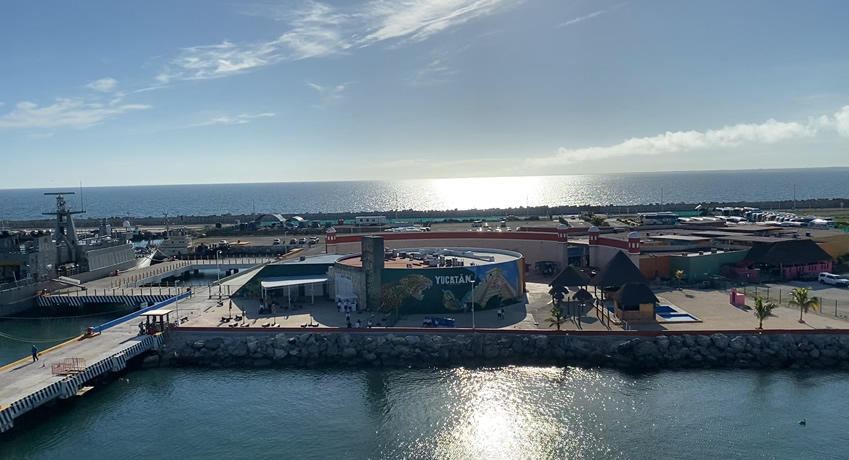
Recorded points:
(438,348)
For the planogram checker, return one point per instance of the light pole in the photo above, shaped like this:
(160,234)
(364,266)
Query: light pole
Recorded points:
(472,299)
(217,265)
(177,301)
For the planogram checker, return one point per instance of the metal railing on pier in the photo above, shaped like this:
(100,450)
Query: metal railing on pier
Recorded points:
(134,277)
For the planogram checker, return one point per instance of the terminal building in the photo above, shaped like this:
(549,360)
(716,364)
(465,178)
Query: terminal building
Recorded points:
(453,271)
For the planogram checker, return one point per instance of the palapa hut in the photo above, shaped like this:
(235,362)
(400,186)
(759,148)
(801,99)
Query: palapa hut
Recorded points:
(788,259)
(570,276)
(617,273)
(579,298)
(635,301)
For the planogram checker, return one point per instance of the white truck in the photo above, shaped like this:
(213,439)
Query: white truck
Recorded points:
(833,280)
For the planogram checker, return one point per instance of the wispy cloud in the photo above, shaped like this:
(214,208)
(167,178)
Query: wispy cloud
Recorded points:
(416,20)
(74,113)
(318,30)
(41,135)
(590,16)
(240,119)
(434,72)
(769,132)
(216,61)
(103,85)
(329,93)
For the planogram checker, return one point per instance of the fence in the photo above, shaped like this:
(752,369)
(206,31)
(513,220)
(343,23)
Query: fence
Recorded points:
(126,318)
(782,296)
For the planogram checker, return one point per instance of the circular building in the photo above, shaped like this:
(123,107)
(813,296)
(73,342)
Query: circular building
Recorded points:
(432,280)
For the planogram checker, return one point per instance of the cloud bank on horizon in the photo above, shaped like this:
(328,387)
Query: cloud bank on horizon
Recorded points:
(369,89)
(768,132)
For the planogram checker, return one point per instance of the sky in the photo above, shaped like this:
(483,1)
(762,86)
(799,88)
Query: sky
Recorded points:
(206,91)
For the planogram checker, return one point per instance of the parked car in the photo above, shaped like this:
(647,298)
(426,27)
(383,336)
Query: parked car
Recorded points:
(276,241)
(833,280)
(809,276)
(302,241)
(293,241)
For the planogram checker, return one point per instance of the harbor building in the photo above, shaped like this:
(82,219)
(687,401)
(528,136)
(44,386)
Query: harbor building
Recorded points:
(433,280)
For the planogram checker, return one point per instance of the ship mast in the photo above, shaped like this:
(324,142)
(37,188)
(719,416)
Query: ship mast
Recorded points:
(65,230)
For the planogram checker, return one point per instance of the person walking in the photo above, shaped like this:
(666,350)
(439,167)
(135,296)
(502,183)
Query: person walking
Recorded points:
(34,354)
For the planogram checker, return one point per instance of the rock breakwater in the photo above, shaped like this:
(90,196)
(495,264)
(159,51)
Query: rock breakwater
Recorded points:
(311,349)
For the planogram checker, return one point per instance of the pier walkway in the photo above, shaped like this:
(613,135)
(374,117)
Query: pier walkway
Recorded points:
(26,385)
(156,273)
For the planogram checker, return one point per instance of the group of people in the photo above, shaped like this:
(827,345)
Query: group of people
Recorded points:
(358,324)
(346,306)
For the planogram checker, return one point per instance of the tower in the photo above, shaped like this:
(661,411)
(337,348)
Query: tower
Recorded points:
(634,247)
(330,240)
(65,230)
(593,247)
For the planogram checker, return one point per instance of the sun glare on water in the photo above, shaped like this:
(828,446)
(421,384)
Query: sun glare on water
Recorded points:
(501,415)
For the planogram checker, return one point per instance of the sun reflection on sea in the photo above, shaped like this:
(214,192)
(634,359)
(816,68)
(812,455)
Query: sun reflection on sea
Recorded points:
(518,413)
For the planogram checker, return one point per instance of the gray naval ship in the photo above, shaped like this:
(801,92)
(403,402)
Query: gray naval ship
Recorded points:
(36,261)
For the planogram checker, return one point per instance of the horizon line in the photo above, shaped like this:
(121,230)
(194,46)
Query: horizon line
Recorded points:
(441,178)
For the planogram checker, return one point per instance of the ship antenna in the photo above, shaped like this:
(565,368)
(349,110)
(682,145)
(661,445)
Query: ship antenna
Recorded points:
(82,203)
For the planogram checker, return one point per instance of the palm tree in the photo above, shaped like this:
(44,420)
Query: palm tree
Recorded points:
(763,311)
(801,300)
(598,221)
(557,317)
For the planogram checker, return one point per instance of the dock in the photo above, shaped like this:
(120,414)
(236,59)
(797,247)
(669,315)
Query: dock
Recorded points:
(62,371)
(66,370)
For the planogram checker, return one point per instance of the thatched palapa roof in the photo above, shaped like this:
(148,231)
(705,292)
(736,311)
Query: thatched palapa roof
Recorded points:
(581,295)
(792,252)
(618,272)
(635,294)
(570,276)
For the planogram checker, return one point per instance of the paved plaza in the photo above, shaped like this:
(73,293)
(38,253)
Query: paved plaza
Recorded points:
(711,307)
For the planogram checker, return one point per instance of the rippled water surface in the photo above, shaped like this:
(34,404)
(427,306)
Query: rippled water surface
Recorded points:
(506,413)
(439,194)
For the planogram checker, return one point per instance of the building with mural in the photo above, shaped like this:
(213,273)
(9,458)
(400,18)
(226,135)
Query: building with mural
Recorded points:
(435,280)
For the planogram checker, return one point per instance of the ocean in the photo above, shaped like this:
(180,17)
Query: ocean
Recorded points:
(505,413)
(437,194)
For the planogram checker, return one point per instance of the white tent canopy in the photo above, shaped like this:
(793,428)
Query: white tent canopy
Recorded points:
(286,281)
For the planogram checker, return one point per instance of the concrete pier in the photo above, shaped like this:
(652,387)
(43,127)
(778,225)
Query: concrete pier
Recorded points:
(27,384)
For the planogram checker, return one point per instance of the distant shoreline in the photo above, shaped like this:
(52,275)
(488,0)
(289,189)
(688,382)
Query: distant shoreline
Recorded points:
(802,207)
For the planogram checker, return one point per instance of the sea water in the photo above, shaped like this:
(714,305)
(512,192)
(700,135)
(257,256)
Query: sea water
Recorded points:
(436,194)
(460,413)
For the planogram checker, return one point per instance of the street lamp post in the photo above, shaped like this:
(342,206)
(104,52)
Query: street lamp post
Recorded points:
(177,301)
(217,265)
(472,299)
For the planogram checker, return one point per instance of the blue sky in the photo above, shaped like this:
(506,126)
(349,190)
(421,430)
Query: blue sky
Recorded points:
(161,92)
